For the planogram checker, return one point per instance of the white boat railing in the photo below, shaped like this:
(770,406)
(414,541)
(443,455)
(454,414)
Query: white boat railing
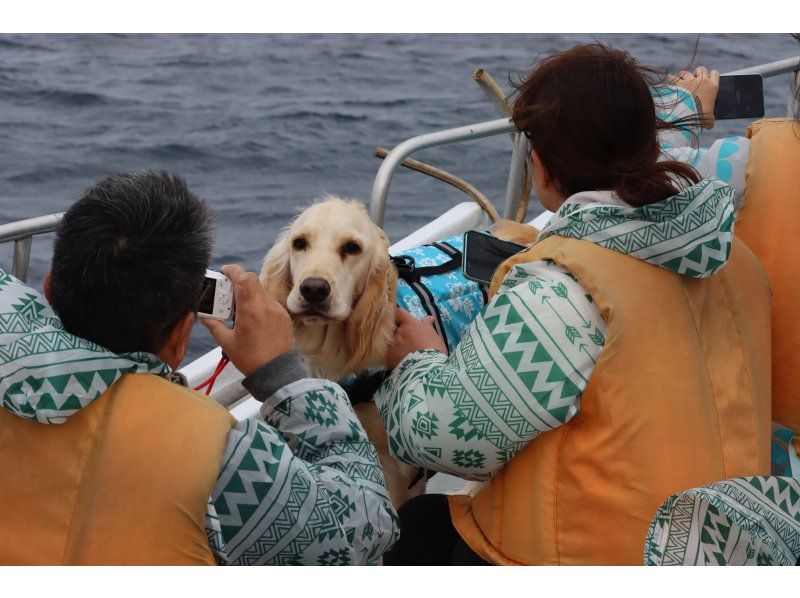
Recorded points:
(380,189)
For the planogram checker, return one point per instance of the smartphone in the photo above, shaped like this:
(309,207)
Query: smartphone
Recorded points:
(740,96)
(483,253)
(216,299)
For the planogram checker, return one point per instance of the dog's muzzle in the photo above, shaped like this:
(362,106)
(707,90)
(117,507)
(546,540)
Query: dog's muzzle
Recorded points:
(315,290)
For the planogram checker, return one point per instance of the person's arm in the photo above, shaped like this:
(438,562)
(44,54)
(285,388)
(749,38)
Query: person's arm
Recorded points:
(678,108)
(301,484)
(518,372)
(694,95)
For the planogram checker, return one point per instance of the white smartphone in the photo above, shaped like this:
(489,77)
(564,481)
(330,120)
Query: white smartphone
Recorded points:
(216,300)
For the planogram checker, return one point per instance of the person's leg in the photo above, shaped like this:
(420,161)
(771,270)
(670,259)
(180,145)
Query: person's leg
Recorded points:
(427,535)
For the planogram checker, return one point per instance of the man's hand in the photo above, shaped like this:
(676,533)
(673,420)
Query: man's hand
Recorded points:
(262,329)
(704,86)
(412,335)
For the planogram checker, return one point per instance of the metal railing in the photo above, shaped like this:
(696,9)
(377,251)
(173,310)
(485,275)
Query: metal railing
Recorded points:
(380,189)
(383,179)
(21,233)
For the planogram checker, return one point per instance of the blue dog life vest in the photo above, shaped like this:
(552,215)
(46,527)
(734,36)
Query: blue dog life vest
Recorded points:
(430,283)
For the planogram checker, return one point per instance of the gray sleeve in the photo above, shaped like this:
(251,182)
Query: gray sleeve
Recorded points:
(275,374)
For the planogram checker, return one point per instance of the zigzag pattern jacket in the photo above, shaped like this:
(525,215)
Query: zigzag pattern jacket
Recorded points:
(300,484)
(523,363)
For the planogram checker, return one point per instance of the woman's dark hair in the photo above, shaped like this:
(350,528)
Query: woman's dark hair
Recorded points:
(589,115)
(129,260)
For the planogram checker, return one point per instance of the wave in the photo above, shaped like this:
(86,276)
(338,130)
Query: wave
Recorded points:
(18,44)
(177,150)
(68,98)
(41,174)
(333,116)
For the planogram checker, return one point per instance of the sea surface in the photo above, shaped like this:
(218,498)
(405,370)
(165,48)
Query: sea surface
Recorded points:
(261,125)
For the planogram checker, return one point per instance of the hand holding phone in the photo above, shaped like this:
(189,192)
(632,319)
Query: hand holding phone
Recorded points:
(704,86)
(263,327)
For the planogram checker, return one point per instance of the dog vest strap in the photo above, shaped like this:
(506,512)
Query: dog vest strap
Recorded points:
(448,249)
(429,305)
(408,270)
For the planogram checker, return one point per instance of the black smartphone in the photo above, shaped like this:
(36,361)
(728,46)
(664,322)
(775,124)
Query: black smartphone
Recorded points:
(483,253)
(740,96)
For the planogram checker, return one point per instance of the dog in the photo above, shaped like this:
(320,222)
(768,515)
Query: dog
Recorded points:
(330,268)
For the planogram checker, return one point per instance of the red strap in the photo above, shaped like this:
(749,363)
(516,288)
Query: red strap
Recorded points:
(213,378)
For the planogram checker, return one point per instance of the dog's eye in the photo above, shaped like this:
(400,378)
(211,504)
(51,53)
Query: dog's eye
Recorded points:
(351,248)
(299,243)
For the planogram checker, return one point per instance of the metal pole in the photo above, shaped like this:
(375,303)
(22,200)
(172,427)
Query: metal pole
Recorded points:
(22,257)
(771,69)
(793,108)
(515,174)
(380,189)
(31,226)
(22,234)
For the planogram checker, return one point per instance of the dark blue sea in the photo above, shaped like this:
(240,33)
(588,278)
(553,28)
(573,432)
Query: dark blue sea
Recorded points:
(260,125)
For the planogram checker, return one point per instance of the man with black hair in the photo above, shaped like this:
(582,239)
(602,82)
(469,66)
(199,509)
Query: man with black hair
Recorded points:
(104,460)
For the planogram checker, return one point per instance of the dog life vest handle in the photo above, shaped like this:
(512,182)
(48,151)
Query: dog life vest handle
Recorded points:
(408,270)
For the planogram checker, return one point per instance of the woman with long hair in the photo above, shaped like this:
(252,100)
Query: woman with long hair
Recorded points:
(616,363)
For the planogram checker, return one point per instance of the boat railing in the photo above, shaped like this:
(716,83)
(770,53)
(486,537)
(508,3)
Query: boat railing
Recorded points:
(383,180)
(22,233)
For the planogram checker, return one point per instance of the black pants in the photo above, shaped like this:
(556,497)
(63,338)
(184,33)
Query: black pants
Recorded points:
(427,536)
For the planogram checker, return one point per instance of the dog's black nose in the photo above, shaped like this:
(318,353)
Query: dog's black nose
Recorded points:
(315,290)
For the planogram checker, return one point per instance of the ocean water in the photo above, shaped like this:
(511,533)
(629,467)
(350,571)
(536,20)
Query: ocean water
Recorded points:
(260,125)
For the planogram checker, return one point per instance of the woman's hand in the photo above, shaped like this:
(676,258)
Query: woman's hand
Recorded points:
(704,86)
(412,335)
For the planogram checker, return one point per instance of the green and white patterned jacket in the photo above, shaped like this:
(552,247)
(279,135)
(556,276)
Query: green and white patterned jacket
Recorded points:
(522,365)
(301,484)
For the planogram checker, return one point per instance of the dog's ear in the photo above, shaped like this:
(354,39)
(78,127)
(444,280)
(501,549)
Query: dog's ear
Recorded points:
(370,327)
(276,275)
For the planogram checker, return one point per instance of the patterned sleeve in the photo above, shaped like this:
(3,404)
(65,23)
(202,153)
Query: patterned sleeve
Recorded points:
(676,106)
(517,372)
(725,159)
(302,486)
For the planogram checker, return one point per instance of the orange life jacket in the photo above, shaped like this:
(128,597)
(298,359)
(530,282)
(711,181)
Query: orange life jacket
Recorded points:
(679,398)
(124,481)
(769,223)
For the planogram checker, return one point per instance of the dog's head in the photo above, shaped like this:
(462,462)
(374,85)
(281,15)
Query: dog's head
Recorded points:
(329,264)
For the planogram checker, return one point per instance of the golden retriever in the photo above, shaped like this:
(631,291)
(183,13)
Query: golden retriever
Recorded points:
(330,268)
